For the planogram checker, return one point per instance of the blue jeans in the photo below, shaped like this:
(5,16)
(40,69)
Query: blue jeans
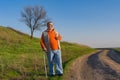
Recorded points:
(54,57)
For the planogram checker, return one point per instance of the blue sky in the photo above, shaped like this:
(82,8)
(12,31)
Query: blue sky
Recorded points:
(95,23)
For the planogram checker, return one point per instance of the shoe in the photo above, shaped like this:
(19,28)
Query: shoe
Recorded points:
(60,74)
(52,75)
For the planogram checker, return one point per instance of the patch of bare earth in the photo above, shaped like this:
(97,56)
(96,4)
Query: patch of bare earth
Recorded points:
(101,65)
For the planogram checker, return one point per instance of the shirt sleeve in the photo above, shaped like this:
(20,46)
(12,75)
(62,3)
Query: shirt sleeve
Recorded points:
(59,37)
(42,42)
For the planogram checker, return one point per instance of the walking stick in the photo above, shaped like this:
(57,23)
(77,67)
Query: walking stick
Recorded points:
(45,65)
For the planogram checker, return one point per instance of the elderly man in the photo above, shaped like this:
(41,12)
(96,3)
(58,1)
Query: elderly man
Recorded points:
(50,44)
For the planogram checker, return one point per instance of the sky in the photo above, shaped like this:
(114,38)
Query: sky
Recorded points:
(95,23)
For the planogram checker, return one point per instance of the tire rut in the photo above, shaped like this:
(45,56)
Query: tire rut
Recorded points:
(101,70)
(101,65)
(114,56)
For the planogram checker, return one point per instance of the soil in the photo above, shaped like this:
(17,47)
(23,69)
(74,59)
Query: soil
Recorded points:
(101,65)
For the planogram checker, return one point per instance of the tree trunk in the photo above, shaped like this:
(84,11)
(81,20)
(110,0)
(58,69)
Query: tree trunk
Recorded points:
(31,34)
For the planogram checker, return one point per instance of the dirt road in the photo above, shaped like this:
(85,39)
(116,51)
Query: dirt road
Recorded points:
(101,65)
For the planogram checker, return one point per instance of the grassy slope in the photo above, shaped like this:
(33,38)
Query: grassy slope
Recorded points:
(117,50)
(22,58)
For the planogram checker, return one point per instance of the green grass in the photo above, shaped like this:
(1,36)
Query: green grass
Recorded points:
(117,50)
(21,58)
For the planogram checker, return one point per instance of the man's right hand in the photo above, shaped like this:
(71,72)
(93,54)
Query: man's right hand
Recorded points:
(45,50)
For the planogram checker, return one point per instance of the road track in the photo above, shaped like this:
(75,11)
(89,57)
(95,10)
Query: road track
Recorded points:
(101,65)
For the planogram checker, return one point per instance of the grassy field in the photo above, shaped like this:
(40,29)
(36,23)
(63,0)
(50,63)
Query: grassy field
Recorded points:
(21,58)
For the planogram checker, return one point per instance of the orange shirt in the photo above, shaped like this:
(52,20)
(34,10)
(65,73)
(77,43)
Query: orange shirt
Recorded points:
(53,41)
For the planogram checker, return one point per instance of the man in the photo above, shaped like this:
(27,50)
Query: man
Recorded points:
(50,44)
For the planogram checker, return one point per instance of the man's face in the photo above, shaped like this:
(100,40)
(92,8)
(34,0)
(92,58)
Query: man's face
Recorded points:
(50,26)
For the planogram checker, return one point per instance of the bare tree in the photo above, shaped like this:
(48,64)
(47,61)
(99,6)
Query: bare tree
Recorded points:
(34,18)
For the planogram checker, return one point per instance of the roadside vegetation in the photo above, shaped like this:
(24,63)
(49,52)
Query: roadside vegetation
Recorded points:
(21,58)
(117,50)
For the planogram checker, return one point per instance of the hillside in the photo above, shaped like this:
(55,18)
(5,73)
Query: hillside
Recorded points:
(21,58)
